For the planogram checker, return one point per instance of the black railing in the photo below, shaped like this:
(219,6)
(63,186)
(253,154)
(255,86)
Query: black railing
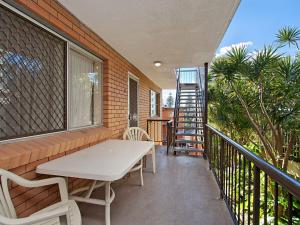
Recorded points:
(176,109)
(255,191)
(160,131)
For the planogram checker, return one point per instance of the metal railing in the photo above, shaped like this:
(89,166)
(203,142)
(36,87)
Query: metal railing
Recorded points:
(255,191)
(160,131)
(187,76)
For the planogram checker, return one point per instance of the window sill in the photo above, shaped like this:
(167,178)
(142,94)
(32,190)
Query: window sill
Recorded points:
(23,152)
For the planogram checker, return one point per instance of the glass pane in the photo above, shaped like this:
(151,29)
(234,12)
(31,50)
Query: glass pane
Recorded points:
(97,93)
(153,103)
(85,91)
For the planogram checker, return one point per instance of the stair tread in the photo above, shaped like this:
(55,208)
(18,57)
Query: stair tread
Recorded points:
(190,128)
(188,141)
(189,94)
(181,149)
(189,116)
(189,122)
(188,134)
(188,111)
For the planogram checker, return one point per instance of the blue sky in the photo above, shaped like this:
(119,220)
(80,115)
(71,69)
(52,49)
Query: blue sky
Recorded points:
(257,21)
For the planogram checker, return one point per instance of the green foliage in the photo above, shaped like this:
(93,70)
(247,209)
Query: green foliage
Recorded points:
(254,97)
(288,35)
(170,101)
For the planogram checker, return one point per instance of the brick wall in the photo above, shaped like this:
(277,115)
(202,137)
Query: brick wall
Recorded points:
(116,67)
(23,157)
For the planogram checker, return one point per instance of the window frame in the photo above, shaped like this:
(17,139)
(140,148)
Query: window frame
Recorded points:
(74,47)
(157,104)
(69,43)
(133,77)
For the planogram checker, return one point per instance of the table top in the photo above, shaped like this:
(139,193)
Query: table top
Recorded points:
(107,161)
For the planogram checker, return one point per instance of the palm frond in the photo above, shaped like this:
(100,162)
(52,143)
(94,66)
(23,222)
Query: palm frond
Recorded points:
(288,68)
(265,59)
(288,35)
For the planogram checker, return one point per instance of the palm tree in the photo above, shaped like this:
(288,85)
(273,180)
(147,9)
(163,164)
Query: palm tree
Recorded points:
(266,84)
(288,36)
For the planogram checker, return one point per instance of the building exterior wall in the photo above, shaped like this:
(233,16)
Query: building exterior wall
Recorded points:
(22,157)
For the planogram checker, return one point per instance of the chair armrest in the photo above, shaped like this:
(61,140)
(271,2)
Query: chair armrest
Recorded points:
(35,218)
(38,183)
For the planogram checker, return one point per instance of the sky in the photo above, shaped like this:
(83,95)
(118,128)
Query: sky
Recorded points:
(256,23)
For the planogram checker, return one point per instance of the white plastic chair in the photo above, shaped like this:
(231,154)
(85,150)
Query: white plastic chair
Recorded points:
(64,212)
(138,134)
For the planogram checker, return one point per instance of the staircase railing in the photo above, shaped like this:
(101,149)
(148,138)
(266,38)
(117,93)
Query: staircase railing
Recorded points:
(200,97)
(188,76)
(255,191)
(176,109)
(201,88)
(187,79)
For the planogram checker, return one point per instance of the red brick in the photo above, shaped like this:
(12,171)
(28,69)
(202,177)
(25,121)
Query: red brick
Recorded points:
(45,4)
(23,157)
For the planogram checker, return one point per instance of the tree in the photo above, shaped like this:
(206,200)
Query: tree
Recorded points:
(264,86)
(170,100)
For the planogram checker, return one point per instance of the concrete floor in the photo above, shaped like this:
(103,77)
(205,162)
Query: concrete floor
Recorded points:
(183,192)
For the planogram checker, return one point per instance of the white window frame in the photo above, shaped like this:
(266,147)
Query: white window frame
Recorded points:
(72,46)
(69,44)
(155,103)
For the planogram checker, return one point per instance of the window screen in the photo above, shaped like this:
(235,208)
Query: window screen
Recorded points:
(32,78)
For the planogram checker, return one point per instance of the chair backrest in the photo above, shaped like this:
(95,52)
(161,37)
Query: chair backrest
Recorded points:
(135,134)
(6,206)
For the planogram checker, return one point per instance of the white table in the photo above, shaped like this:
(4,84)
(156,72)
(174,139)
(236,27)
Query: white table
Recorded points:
(103,163)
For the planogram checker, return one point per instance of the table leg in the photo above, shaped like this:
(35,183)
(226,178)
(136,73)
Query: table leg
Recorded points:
(107,203)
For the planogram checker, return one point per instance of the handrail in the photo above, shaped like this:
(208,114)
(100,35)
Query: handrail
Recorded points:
(277,175)
(248,183)
(176,110)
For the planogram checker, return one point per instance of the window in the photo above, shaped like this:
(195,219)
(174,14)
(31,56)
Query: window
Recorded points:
(85,90)
(37,96)
(32,78)
(154,104)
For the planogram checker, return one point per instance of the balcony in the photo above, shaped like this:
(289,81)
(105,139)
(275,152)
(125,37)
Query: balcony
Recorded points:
(183,191)
(203,176)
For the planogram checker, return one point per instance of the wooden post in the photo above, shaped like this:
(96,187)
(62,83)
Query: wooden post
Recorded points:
(205,109)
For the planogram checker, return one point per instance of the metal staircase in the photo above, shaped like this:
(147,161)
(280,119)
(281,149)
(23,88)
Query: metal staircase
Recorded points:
(188,133)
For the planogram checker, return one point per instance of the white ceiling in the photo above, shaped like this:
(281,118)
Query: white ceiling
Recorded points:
(180,33)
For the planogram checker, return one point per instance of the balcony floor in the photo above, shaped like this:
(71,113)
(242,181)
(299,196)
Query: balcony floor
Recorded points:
(183,192)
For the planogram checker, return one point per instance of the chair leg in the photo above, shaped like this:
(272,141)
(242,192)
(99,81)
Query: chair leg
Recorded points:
(145,161)
(141,173)
(153,160)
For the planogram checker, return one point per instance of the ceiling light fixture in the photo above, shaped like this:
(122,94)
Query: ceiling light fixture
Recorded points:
(157,63)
